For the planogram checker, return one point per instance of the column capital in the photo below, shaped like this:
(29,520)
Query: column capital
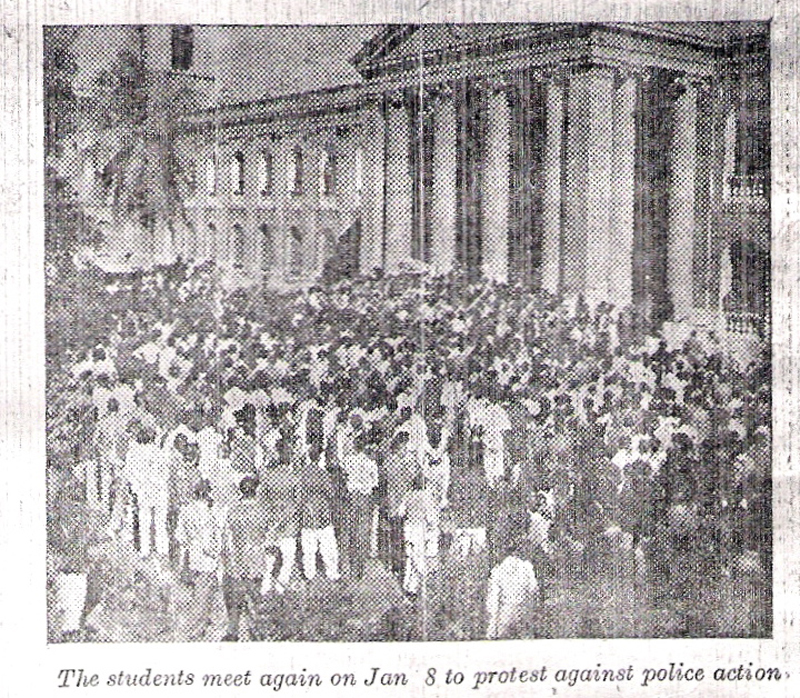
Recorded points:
(440,92)
(396,98)
(699,83)
(495,84)
(639,73)
(552,74)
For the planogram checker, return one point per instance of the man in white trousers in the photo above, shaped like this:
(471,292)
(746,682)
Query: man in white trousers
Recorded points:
(70,536)
(147,469)
(316,532)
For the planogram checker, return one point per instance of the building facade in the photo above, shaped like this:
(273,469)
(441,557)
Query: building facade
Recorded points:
(618,162)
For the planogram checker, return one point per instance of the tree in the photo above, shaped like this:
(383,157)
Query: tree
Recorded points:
(67,227)
(60,101)
(137,112)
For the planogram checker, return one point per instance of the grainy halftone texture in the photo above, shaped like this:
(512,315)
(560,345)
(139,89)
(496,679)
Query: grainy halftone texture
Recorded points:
(341,349)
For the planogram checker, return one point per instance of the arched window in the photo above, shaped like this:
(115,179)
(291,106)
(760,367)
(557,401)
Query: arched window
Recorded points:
(211,175)
(238,246)
(297,171)
(328,173)
(295,251)
(267,249)
(237,173)
(265,174)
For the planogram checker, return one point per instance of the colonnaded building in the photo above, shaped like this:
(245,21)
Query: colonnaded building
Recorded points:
(627,163)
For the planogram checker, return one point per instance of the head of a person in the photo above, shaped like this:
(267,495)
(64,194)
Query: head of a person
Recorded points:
(248,486)
(400,441)
(202,491)
(180,443)
(146,435)
(192,454)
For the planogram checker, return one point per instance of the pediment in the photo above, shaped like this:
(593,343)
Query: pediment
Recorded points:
(399,48)
(402,45)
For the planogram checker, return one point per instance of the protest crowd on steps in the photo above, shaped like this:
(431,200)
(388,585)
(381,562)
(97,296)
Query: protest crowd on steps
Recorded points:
(438,442)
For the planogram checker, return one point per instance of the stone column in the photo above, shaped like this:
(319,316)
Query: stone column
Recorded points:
(373,141)
(399,187)
(620,272)
(590,172)
(551,208)
(284,182)
(495,205)
(681,203)
(443,210)
(729,163)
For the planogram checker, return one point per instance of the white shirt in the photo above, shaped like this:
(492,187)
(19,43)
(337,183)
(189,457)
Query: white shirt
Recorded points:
(362,472)
(512,588)
(147,469)
(209,440)
(198,532)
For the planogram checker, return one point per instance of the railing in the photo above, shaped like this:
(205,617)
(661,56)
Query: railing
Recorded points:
(744,322)
(749,187)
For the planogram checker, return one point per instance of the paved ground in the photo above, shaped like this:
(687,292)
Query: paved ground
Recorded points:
(134,600)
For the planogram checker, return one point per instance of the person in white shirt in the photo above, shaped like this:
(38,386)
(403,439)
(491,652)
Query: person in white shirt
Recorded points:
(512,592)
(201,613)
(361,474)
(437,467)
(495,424)
(110,443)
(419,509)
(147,470)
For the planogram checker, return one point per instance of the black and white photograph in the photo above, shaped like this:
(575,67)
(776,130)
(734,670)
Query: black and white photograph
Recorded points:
(407,332)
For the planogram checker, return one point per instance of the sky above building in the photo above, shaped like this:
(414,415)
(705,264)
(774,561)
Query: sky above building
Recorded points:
(247,62)
(256,62)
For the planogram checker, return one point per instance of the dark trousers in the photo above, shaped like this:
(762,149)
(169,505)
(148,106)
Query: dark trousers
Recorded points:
(397,557)
(359,526)
(241,595)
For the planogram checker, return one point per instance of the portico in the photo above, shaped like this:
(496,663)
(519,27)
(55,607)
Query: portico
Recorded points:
(581,159)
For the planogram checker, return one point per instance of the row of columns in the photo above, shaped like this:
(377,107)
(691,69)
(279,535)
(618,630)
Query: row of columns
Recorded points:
(588,193)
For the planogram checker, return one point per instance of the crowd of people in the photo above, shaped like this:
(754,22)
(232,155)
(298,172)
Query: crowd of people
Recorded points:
(252,442)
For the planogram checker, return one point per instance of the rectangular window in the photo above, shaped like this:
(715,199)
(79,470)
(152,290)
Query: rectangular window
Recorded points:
(238,246)
(237,173)
(265,174)
(182,47)
(267,249)
(297,171)
(190,177)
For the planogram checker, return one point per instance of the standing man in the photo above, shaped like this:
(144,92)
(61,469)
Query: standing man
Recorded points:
(184,477)
(400,473)
(361,472)
(70,536)
(147,470)
(110,444)
(244,558)
(197,532)
(420,511)
(280,494)
(316,533)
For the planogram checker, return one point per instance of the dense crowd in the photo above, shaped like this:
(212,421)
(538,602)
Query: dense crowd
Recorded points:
(244,438)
